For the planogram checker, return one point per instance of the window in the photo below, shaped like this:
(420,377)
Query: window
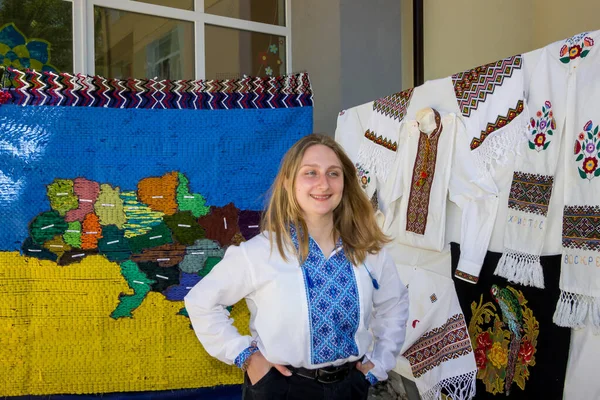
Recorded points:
(164,39)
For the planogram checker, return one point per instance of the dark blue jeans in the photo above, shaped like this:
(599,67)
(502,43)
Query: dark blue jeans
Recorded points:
(274,386)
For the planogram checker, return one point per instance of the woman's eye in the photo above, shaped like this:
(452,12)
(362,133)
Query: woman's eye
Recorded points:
(311,173)
(334,174)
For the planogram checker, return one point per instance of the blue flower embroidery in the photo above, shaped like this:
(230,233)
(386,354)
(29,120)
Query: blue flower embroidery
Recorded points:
(18,52)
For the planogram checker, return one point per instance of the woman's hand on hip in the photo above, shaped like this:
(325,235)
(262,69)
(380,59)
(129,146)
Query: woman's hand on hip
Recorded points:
(258,367)
(364,367)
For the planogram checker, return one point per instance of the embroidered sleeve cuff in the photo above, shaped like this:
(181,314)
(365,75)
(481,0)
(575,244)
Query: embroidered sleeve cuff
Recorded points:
(371,378)
(468,271)
(241,359)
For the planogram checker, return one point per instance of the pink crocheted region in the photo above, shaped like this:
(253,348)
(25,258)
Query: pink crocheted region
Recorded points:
(87,192)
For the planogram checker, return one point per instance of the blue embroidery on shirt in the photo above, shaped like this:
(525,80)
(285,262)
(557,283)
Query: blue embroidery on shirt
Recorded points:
(333,303)
(243,356)
(371,378)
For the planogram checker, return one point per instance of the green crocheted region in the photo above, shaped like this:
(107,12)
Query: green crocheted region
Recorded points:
(113,244)
(140,217)
(109,206)
(158,235)
(61,196)
(46,226)
(187,201)
(185,227)
(139,282)
(72,235)
(210,264)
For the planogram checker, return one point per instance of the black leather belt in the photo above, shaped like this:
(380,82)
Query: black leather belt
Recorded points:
(331,374)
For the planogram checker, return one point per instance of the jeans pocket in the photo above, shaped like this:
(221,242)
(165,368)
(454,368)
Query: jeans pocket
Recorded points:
(263,379)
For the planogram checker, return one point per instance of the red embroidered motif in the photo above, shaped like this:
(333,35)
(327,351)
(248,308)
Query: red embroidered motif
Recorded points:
(501,122)
(422,179)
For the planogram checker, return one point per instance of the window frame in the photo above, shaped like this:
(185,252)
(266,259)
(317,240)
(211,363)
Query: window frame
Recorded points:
(83,29)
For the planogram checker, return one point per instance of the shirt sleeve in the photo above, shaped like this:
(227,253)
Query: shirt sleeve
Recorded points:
(475,192)
(388,320)
(228,282)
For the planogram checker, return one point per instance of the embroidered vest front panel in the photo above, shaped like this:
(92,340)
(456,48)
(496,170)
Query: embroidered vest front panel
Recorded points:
(333,304)
(422,179)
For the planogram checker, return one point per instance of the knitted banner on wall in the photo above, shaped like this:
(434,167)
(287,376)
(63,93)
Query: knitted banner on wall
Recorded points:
(116,197)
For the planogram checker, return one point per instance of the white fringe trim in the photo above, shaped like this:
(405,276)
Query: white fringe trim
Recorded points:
(460,387)
(503,142)
(376,159)
(573,310)
(521,268)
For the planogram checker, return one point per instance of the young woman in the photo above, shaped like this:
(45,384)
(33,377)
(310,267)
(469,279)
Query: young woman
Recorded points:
(328,310)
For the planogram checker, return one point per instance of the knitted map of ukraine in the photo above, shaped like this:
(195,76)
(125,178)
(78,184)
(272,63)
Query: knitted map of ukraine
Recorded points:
(164,238)
(117,197)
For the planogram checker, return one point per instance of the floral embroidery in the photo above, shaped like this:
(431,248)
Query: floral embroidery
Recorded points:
(575,47)
(541,128)
(363,176)
(506,349)
(587,150)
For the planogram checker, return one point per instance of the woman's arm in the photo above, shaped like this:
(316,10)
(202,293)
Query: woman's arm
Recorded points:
(388,320)
(229,281)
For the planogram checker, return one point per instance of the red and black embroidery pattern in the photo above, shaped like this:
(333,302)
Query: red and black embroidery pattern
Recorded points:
(380,140)
(448,342)
(500,123)
(530,193)
(581,227)
(422,179)
(472,87)
(464,275)
(394,106)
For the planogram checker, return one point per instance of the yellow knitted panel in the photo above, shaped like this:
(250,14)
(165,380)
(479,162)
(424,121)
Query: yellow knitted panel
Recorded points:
(56,334)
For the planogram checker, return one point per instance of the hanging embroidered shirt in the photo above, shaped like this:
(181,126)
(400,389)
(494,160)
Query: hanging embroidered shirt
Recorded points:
(426,170)
(579,303)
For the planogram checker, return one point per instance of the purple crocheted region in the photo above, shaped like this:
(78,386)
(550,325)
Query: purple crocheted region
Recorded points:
(249,223)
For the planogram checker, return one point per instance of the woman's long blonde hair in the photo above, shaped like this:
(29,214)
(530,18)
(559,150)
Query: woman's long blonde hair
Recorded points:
(353,219)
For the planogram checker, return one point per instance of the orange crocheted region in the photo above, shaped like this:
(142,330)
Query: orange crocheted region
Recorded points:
(56,337)
(160,194)
(91,232)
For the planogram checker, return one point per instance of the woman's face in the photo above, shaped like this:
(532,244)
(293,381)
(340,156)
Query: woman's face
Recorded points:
(320,182)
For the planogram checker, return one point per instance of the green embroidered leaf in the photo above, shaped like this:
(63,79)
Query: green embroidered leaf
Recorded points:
(579,157)
(597,172)
(582,174)
(584,53)
(565,60)
(534,131)
(596,130)
(590,135)
(550,132)
(531,145)
(546,145)
(598,146)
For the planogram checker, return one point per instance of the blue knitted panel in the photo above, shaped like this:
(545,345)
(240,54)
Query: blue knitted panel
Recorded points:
(227,155)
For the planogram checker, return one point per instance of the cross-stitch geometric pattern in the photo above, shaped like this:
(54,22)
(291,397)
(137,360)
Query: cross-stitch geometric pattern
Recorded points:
(381,141)
(530,193)
(501,121)
(395,105)
(473,86)
(449,341)
(333,303)
(581,228)
(422,179)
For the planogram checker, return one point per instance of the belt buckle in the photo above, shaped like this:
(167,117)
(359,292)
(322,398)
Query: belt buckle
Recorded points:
(324,376)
